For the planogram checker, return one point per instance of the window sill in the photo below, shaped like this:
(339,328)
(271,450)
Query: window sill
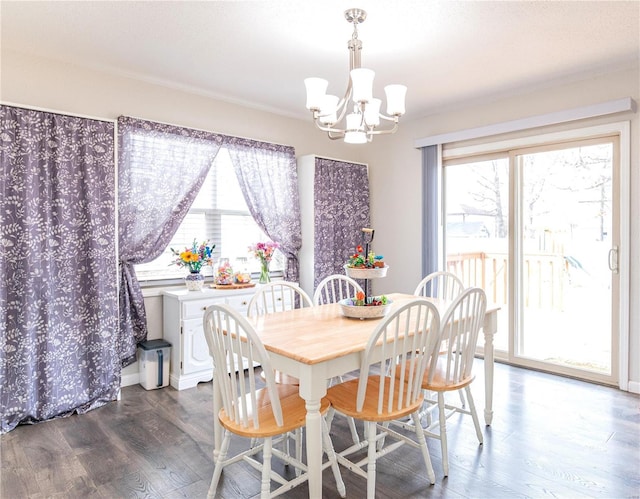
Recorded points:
(155,288)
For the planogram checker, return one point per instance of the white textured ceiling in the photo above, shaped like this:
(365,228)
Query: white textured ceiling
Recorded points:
(448,53)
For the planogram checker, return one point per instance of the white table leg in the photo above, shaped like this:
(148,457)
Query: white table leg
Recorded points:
(314,448)
(490,328)
(312,389)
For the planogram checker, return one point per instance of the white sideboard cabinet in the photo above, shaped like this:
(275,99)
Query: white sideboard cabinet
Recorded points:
(183,311)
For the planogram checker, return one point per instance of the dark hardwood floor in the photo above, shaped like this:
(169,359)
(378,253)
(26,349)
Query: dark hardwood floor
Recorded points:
(550,436)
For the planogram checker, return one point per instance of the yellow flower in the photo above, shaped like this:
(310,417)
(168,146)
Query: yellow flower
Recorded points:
(194,257)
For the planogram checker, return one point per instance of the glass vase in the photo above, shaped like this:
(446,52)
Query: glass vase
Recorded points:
(224,273)
(264,273)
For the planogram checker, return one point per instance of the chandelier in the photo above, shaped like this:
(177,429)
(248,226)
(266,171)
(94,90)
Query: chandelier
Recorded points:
(357,117)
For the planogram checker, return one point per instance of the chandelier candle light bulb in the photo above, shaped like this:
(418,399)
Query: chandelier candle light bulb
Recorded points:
(331,114)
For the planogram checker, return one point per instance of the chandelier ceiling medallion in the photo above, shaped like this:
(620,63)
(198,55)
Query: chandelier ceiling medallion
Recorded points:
(358,106)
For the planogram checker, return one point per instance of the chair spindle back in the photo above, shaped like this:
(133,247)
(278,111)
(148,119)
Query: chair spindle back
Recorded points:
(230,337)
(334,288)
(277,296)
(460,326)
(398,352)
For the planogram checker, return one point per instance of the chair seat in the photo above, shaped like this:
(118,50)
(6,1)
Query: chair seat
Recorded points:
(343,398)
(439,382)
(294,414)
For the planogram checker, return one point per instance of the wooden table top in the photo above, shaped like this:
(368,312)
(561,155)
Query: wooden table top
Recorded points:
(316,334)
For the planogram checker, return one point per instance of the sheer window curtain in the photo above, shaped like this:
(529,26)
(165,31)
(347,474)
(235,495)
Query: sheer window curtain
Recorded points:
(58,299)
(160,171)
(268,177)
(341,192)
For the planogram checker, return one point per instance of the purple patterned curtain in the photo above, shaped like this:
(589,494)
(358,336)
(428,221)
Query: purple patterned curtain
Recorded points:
(268,177)
(160,171)
(58,299)
(341,200)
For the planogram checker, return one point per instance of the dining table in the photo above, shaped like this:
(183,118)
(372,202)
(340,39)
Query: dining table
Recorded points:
(316,344)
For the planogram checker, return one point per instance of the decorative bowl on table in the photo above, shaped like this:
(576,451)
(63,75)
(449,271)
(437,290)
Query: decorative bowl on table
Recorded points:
(366,272)
(379,307)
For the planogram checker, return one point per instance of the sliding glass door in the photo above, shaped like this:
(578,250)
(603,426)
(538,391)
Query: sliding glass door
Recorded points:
(476,231)
(538,230)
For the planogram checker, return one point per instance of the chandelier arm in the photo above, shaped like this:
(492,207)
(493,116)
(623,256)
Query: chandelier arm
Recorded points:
(393,118)
(329,129)
(383,131)
(336,137)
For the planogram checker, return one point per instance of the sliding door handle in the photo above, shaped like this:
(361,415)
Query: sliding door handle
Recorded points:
(613,260)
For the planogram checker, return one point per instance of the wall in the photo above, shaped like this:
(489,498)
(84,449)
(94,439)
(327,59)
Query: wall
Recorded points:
(394,163)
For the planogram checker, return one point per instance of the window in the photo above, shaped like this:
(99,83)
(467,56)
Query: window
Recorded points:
(220,215)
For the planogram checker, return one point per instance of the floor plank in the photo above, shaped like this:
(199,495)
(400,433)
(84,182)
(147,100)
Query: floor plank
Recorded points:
(551,436)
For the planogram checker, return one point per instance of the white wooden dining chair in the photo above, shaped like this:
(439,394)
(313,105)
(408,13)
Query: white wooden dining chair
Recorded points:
(266,413)
(452,370)
(334,288)
(445,287)
(389,386)
(278,296)
(441,285)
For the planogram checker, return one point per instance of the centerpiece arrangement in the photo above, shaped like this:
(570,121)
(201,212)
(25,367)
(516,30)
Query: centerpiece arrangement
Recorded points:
(194,258)
(264,252)
(361,307)
(365,264)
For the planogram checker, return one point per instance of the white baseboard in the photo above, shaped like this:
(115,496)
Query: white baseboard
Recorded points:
(634,386)
(129,379)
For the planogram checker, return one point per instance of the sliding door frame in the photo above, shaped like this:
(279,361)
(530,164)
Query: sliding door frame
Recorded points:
(622,131)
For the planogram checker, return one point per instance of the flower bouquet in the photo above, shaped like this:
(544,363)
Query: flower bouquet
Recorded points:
(264,252)
(194,258)
(361,307)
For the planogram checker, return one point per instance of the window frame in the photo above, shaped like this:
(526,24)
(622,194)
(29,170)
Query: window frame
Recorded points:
(213,218)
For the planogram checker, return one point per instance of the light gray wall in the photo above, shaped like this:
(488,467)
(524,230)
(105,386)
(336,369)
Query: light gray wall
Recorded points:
(394,163)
